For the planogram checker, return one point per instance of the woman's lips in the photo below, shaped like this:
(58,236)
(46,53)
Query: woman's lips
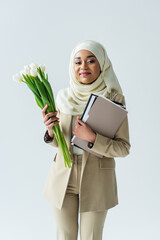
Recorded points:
(84,74)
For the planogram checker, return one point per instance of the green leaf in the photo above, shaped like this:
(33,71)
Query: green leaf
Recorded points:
(33,81)
(40,73)
(30,87)
(49,89)
(42,92)
(39,102)
(47,86)
(30,84)
(46,76)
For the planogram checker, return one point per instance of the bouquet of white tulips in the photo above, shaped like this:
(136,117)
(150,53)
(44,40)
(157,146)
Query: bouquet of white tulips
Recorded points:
(35,78)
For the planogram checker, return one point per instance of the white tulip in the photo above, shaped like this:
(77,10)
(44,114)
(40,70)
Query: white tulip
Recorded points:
(42,67)
(33,71)
(27,69)
(22,72)
(17,77)
(33,65)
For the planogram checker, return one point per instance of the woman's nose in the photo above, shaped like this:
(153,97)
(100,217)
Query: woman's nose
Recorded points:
(84,65)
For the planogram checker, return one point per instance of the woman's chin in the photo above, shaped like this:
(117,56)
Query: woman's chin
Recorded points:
(85,81)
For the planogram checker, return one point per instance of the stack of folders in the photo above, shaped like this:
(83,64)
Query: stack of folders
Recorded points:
(103,116)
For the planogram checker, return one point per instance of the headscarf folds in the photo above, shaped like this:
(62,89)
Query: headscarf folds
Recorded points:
(72,100)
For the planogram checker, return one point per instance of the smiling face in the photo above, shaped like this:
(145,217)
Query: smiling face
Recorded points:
(86,67)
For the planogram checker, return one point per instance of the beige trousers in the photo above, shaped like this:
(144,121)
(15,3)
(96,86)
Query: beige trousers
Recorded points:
(91,223)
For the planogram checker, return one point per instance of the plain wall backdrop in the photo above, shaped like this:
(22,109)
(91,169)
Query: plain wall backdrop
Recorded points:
(45,32)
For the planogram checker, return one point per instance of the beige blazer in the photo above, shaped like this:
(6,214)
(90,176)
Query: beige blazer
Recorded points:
(98,185)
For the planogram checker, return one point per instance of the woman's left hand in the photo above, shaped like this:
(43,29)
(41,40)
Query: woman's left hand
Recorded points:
(83,131)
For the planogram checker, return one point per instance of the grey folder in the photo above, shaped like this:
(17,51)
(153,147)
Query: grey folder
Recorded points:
(103,116)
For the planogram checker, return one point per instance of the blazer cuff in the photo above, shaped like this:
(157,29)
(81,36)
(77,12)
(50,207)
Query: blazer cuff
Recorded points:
(100,144)
(47,138)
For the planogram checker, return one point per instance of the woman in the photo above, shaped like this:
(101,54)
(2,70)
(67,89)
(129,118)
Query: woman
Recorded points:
(89,186)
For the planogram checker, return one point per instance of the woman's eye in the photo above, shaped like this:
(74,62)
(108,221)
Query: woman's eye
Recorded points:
(91,61)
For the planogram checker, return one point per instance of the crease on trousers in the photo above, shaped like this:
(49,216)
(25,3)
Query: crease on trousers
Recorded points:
(67,225)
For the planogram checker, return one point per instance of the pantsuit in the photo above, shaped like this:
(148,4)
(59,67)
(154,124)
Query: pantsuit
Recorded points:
(89,187)
(91,223)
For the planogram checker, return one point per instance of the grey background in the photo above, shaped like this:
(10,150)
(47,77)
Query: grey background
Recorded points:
(46,32)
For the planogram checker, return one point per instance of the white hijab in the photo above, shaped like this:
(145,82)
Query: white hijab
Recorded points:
(72,100)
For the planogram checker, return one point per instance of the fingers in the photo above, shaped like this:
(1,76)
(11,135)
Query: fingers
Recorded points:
(76,124)
(47,122)
(50,126)
(51,122)
(79,121)
(46,116)
(49,119)
(49,115)
(44,110)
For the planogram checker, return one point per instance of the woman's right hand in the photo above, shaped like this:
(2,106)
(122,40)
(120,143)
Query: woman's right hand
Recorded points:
(49,120)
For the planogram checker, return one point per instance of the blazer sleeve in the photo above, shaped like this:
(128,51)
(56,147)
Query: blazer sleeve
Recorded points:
(51,141)
(119,146)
